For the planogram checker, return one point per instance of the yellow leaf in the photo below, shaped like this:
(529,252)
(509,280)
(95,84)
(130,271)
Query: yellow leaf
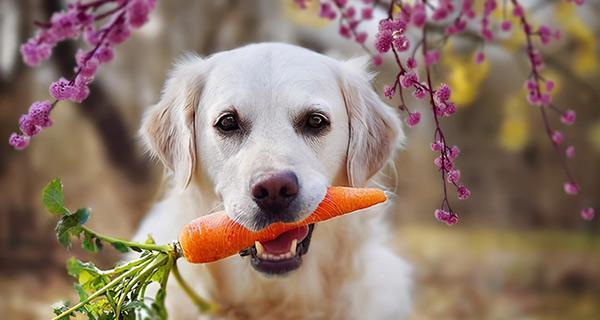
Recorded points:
(594,136)
(516,40)
(308,17)
(514,130)
(464,76)
(585,60)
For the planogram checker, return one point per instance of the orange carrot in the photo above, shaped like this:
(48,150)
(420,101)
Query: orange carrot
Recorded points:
(215,236)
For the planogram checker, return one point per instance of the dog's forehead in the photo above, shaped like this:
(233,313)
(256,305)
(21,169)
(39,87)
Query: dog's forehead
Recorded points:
(272,77)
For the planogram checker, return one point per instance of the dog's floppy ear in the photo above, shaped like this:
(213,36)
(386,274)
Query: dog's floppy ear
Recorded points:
(375,129)
(168,128)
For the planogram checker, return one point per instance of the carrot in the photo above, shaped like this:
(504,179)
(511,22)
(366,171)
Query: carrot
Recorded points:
(215,236)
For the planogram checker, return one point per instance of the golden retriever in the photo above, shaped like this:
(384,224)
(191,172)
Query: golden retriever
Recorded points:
(261,131)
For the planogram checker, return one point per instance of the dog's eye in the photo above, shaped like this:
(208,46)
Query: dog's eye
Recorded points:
(228,122)
(316,121)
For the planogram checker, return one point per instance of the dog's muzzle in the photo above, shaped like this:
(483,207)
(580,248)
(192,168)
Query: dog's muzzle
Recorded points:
(282,254)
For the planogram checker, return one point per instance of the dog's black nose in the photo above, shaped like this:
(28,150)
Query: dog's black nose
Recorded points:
(273,192)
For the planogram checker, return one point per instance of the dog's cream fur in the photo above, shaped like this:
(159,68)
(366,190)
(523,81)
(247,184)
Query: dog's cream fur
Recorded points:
(348,272)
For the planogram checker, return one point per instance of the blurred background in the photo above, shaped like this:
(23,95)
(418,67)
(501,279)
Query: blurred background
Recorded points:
(520,251)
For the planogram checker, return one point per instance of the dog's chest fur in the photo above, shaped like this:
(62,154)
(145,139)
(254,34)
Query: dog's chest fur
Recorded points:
(332,283)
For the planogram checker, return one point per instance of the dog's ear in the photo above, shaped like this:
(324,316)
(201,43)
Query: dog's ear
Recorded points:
(375,129)
(168,128)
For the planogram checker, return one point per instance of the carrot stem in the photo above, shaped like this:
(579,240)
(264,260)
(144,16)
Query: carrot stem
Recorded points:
(97,293)
(204,305)
(144,246)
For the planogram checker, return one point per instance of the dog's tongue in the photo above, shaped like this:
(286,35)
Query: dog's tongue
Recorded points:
(283,242)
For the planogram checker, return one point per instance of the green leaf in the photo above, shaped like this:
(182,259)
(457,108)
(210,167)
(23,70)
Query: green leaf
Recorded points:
(120,246)
(70,226)
(83,214)
(67,227)
(53,199)
(61,307)
(90,243)
(150,240)
(75,267)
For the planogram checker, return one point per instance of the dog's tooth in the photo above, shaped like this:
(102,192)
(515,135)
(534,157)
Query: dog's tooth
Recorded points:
(259,247)
(293,247)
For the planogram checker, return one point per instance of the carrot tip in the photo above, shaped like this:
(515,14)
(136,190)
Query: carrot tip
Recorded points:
(388,195)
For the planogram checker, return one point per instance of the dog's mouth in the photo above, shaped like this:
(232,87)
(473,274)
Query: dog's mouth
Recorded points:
(282,254)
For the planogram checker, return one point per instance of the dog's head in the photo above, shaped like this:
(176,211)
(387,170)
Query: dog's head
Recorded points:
(271,126)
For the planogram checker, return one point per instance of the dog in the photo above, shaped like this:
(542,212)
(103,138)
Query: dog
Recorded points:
(261,131)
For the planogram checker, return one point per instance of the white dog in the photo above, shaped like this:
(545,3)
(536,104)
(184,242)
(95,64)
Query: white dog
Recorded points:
(262,131)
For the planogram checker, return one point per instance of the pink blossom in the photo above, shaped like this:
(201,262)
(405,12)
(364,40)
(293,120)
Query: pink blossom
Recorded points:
(545,34)
(534,99)
(444,216)
(442,94)
(588,213)
(549,85)
(28,126)
(39,113)
(361,37)
(557,137)
(138,12)
(401,43)
(419,93)
(571,188)
(18,142)
(487,34)
(570,152)
(463,193)
(65,25)
(479,57)
(437,146)
(413,118)
(411,63)
(367,13)
(419,17)
(345,32)
(445,163)
(439,14)
(453,153)
(450,109)
(450,30)
(88,69)
(383,41)
(408,79)
(506,25)
(453,176)
(432,57)
(377,60)
(91,36)
(63,90)
(104,54)
(518,11)
(393,25)
(545,99)
(118,33)
(568,117)
(326,11)
(388,91)
(33,53)
(350,12)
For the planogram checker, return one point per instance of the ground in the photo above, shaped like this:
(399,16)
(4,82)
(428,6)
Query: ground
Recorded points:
(462,273)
